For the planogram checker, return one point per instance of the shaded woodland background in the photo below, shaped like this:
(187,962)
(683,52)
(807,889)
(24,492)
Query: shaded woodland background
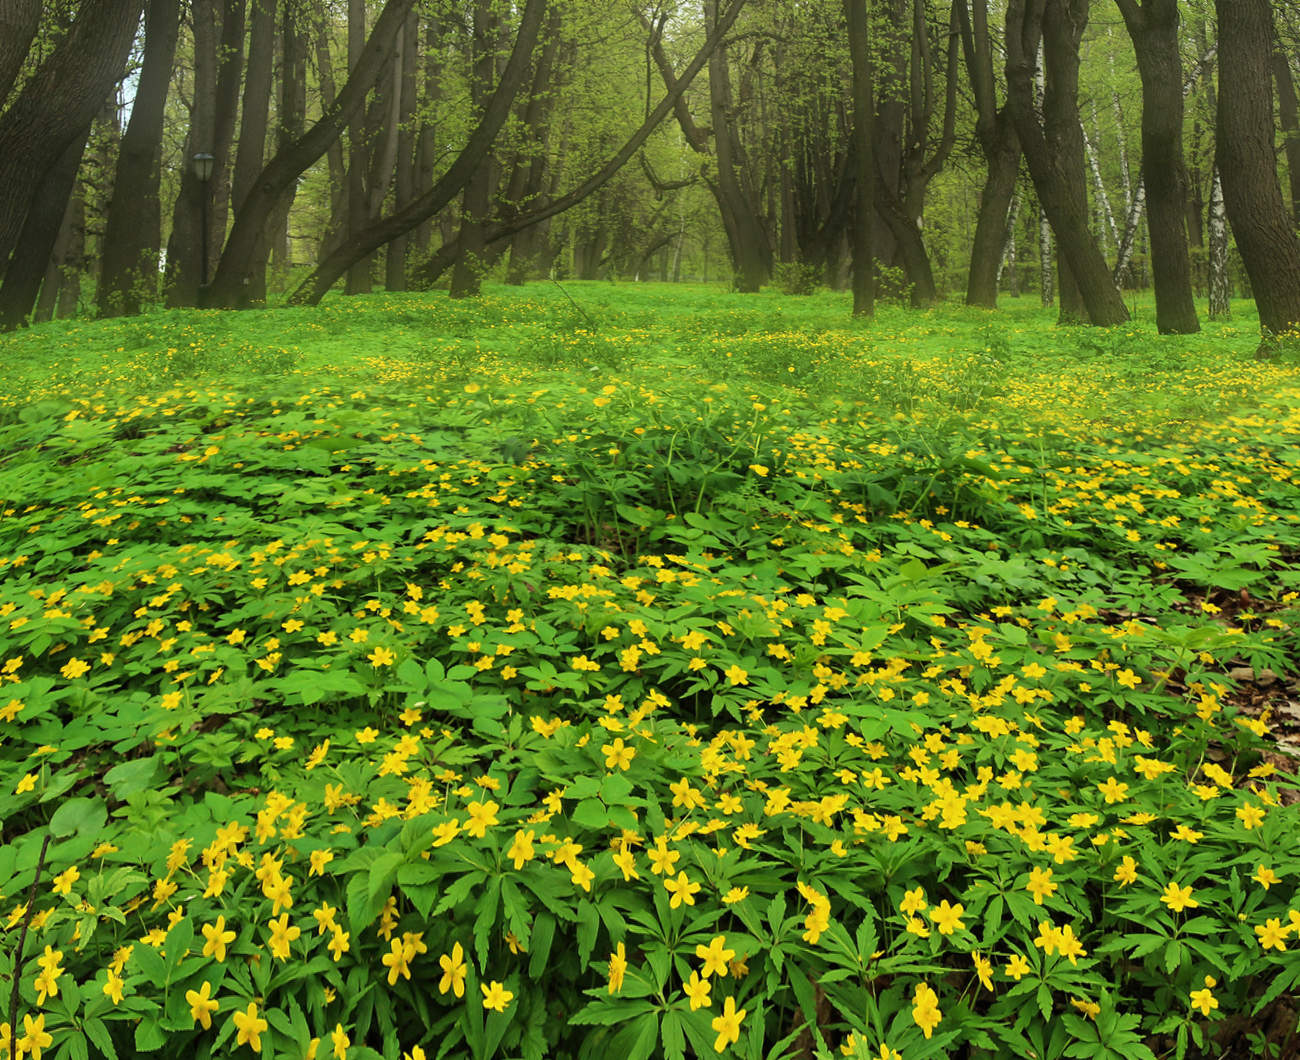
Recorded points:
(1066,150)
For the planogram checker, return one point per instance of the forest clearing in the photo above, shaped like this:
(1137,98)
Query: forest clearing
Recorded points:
(651,671)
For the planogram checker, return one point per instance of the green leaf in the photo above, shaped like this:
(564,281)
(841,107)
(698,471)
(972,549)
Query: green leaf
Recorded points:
(78,815)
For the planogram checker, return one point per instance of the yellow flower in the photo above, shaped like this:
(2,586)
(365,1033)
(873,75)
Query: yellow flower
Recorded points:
(618,755)
(1127,872)
(202,1006)
(521,850)
(218,938)
(64,880)
(913,901)
(1272,935)
(453,972)
(35,1037)
(682,890)
(1040,885)
(74,668)
(715,956)
(736,675)
(282,934)
(925,1009)
(1265,876)
(617,969)
(983,970)
(1179,898)
(381,656)
(338,944)
(1204,1000)
(495,996)
(1250,815)
(397,961)
(113,987)
(727,1025)
(947,918)
(697,991)
(341,1041)
(482,815)
(250,1027)
(1017,967)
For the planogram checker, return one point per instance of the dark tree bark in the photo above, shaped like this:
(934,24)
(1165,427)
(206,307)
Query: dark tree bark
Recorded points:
(292,113)
(997,137)
(426,152)
(467,276)
(19,21)
(184,267)
(358,133)
(336,230)
(1288,112)
(751,251)
(404,177)
(1247,163)
(132,234)
(449,185)
(57,104)
(230,75)
(27,267)
(1153,25)
(864,159)
(290,162)
(254,122)
(1054,149)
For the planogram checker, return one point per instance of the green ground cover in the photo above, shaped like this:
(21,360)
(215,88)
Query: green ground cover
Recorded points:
(655,672)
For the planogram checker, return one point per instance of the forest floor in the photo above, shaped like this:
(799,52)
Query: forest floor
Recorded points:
(648,671)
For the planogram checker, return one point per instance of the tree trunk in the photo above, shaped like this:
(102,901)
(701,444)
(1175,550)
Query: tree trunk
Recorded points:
(1288,110)
(293,109)
(19,21)
(426,158)
(997,137)
(864,168)
(56,105)
(184,268)
(1220,281)
(1153,25)
(255,121)
(1046,271)
(358,215)
(467,276)
(230,68)
(1054,150)
(404,177)
(751,252)
(337,228)
(132,234)
(448,186)
(27,267)
(1245,156)
(290,162)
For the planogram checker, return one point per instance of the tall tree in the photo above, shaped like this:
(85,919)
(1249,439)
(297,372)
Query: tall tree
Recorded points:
(864,159)
(19,21)
(996,132)
(1153,25)
(453,180)
(132,235)
(291,161)
(55,106)
(1054,148)
(1248,164)
(254,121)
(467,276)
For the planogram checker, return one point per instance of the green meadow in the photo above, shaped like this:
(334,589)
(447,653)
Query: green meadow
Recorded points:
(647,671)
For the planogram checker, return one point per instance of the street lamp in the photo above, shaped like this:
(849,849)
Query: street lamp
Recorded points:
(203,164)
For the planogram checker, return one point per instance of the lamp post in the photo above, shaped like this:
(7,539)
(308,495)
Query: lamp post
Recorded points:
(203,164)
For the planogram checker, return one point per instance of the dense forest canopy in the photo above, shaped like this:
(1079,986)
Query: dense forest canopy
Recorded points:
(216,151)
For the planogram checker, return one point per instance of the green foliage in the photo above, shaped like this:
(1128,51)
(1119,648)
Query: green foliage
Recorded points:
(472,682)
(796,277)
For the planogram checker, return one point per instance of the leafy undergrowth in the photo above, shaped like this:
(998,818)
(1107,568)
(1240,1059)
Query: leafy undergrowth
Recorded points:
(697,678)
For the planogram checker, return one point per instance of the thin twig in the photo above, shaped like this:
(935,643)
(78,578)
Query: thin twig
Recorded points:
(22,943)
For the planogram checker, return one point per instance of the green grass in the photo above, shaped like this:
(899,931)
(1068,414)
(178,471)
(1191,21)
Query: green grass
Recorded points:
(890,681)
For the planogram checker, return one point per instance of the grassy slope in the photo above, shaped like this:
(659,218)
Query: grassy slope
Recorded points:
(350,512)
